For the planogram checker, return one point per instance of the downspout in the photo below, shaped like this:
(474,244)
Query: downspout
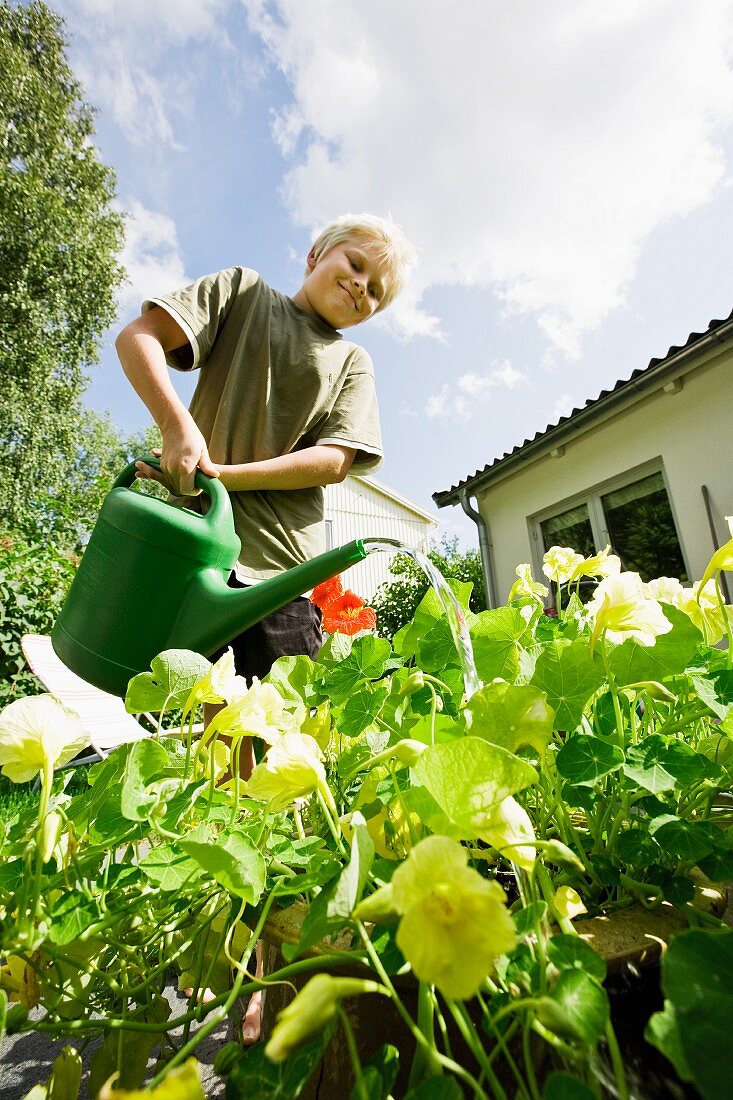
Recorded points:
(485,548)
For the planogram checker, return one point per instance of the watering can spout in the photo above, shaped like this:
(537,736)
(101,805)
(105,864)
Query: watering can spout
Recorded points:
(154,577)
(214,613)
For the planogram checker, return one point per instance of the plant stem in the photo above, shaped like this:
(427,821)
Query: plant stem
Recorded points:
(360,1083)
(444,1061)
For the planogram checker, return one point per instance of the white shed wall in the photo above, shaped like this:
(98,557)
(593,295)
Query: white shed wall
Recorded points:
(690,431)
(359,510)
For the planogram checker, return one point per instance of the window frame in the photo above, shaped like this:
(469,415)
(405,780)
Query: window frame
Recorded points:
(591,497)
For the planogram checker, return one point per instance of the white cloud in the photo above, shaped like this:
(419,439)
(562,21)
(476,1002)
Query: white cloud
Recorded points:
(459,402)
(118,48)
(529,149)
(151,256)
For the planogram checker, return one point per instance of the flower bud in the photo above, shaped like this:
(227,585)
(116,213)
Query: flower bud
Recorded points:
(409,751)
(414,682)
(51,830)
(312,1010)
(378,908)
(559,853)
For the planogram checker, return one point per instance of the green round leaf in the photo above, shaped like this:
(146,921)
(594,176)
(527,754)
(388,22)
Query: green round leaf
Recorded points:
(510,715)
(469,777)
(573,953)
(697,978)
(584,759)
(687,840)
(579,1008)
(637,848)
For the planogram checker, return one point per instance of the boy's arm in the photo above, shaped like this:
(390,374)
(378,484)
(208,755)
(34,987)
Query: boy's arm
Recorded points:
(142,346)
(324,464)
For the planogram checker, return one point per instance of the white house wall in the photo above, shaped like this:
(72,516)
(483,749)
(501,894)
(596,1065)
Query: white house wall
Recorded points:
(358,510)
(689,430)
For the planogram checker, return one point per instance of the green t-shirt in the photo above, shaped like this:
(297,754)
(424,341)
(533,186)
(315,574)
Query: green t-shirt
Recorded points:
(274,379)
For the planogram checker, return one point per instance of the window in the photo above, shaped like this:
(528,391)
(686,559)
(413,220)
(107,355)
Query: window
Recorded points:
(641,529)
(633,514)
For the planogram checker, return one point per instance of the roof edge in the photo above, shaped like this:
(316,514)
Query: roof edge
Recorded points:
(640,379)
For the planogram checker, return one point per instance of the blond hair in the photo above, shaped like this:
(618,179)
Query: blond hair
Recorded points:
(393,251)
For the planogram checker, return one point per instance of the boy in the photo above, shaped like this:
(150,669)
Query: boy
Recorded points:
(283,406)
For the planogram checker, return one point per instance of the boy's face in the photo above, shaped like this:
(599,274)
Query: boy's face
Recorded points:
(345,285)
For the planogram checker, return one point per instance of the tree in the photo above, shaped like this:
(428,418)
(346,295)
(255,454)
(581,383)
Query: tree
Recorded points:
(395,603)
(59,242)
(67,513)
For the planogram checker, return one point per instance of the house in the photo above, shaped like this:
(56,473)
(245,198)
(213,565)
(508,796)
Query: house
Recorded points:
(360,508)
(645,466)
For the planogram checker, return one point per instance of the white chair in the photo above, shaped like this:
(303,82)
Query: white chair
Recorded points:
(103,716)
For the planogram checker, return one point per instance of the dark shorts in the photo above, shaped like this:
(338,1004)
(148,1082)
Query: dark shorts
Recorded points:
(293,630)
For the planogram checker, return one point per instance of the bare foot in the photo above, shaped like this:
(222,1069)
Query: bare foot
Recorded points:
(252,1020)
(204,996)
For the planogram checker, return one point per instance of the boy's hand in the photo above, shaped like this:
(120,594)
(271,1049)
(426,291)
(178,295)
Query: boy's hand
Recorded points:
(178,464)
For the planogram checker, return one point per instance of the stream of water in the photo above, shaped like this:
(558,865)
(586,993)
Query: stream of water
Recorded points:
(453,611)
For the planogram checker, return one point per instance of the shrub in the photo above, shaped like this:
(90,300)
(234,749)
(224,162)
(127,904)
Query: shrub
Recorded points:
(395,603)
(34,580)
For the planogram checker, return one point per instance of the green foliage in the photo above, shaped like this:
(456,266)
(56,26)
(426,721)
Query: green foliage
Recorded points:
(396,603)
(34,579)
(66,511)
(59,243)
(694,1029)
(165,861)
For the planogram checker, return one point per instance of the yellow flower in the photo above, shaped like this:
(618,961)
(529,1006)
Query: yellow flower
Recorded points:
(20,980)
(293,768)
(667,590)
(454,922)
(721,559)
(604,564)
(312,1010)
(319,725)
(621,609)
(703,607)
(259,711)
(510,831)
(38,732)
(181,1083)
(567,902)
(525,587)
(560,563)
(217,686)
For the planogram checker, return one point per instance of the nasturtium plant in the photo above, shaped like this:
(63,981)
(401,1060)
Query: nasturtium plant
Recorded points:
(430,822)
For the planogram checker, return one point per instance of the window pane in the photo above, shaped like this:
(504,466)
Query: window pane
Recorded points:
(642,530)
(571,528)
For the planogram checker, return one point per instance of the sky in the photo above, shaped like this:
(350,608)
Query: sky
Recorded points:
(563,169)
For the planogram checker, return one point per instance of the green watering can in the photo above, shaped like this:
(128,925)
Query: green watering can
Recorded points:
(154,577)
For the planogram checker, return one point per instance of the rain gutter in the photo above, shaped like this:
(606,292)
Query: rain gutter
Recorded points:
(485,548)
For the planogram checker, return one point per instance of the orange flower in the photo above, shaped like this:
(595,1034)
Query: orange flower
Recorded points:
(348,614)
(323,594)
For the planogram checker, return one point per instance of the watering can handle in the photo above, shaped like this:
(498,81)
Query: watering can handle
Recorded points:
(213,488)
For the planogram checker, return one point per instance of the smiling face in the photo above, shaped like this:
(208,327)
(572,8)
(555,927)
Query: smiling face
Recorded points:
(345,285)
